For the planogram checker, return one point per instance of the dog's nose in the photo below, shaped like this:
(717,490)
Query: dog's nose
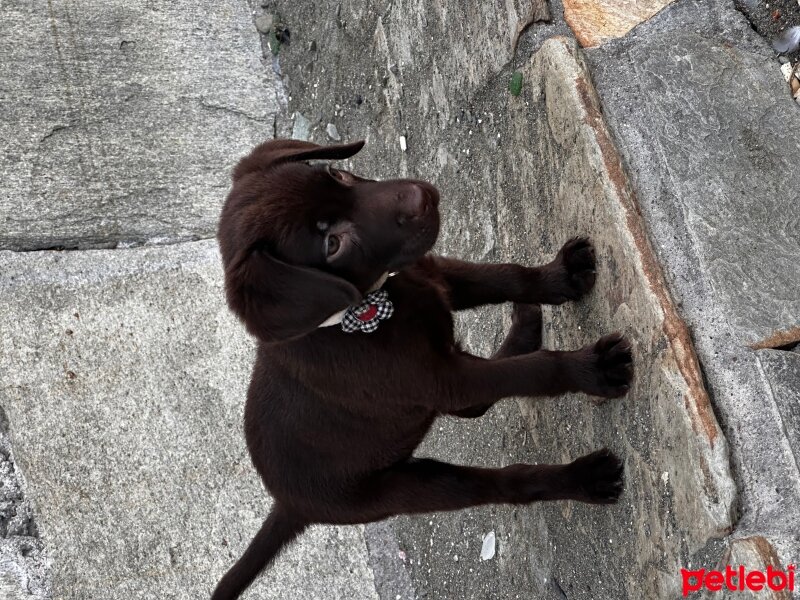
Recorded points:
(414,204)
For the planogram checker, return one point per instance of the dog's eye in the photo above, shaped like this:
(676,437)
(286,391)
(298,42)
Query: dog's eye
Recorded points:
(332,244)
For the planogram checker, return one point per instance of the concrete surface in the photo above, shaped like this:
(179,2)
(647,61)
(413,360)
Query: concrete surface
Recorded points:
(124,380)
(120,120)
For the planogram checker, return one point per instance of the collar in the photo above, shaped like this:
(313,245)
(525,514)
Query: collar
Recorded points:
(366,315)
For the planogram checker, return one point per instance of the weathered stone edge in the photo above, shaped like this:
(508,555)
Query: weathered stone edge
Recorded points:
(716,467)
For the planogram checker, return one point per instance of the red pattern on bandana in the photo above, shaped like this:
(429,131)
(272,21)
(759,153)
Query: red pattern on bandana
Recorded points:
(369,313)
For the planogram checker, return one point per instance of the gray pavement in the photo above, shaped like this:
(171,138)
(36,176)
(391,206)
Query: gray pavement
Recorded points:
(124,376)
(120,120)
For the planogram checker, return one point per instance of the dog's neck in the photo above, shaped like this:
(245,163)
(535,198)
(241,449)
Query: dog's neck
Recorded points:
(336,318)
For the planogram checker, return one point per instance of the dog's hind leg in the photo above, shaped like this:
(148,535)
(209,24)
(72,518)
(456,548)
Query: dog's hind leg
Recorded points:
(279,529)
(426,485)
(524,336)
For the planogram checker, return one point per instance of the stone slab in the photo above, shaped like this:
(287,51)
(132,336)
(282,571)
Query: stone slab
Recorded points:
(124,377)
(707,129)
(782,372)
(520,176)
(597,21)
(717,106)
(23,563)
(680,492)
(119,121)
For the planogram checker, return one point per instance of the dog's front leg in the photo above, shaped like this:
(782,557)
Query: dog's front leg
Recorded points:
(568,277)
(524,336)
(603,369)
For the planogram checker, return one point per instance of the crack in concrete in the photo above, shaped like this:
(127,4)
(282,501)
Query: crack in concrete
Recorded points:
(115,244)
(53,130)
(228,109)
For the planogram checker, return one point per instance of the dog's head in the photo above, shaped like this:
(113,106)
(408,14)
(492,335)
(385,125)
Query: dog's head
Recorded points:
(301,240)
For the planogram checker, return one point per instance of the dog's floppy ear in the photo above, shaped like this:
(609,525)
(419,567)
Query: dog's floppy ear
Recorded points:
(278,301)
(275,152)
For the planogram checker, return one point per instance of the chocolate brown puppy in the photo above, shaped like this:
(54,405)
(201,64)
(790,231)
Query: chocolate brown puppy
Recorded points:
(331,272)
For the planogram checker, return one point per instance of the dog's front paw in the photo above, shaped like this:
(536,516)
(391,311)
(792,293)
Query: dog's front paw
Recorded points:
(598,477)
(576,262)
(610,367)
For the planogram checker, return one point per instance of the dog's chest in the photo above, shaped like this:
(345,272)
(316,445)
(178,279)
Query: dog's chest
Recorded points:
(420,310)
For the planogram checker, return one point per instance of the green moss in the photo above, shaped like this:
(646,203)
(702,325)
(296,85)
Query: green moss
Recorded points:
(515,85)
(274,43)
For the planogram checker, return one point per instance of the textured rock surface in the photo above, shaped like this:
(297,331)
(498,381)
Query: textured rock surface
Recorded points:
(679,493)
(119,121)
(729,186)
(596,21)
(22,558)
(123,382)
(520,176)
(782,372)
(708,132)
(755,554)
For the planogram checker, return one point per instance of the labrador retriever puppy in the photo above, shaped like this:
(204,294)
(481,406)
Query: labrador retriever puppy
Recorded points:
(331,272)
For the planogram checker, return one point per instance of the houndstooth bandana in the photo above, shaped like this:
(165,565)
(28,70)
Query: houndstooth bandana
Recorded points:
(367,314)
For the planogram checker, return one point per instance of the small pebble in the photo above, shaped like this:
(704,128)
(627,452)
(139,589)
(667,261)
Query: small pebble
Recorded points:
(302,127)
(403,145)
(786,69)
(264,23)
(488,547)
(332,132)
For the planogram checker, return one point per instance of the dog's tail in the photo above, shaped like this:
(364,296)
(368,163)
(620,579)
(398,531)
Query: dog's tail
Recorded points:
(279,529)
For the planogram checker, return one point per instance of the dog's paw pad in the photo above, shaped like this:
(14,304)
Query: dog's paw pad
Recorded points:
(614,363)
(578,260)
(599,477)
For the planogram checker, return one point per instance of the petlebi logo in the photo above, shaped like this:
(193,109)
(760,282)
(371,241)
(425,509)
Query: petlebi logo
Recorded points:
(738,579)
